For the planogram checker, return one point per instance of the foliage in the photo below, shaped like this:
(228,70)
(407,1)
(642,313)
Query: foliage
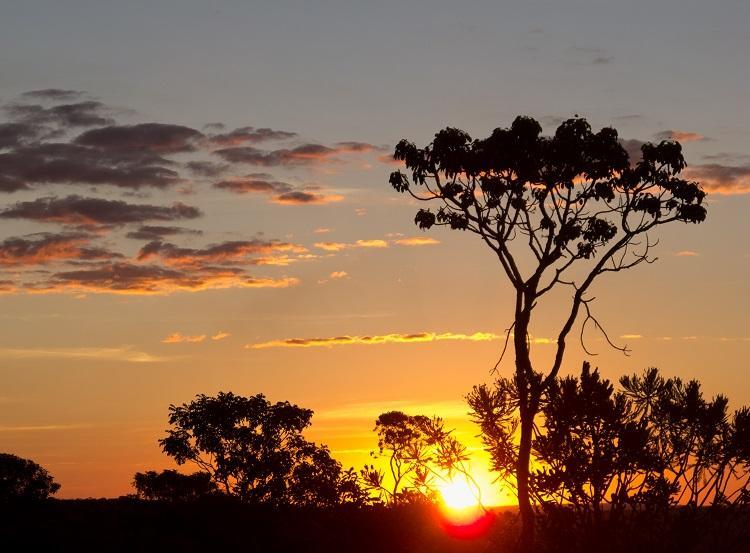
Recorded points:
(254,450)
(420,453)
(653,443)
(170,485)
(23,479)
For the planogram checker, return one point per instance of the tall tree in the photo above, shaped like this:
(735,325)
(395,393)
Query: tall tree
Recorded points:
(557,211)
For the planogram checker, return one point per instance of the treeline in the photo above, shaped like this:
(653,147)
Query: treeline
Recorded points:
(608,460)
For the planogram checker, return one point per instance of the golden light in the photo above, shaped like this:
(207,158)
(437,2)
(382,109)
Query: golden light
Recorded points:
(462,514)
(457,495)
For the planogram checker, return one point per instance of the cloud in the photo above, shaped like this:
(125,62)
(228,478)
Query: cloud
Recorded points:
(301,197)
(418,337)
(322,230)
(338,275)
(44,248)
(13,135)
(305,154)
(680,136)
(122,353)
(220,336)
(130,278)
(280,192)
(151,233)
(80,114)
(721,179)
(417,241)
(177,338)
(376,243)
(155,137)
(250,135)
(79,211)
(230,252)
(339,246)
(64,163)
(206,168)
(254,183)
(53,94)
(631,336)
(686,253)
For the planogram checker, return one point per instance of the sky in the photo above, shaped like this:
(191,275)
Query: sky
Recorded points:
(194,197)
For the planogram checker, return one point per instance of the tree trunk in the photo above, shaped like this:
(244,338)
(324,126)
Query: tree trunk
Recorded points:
(526,536)
(527,408)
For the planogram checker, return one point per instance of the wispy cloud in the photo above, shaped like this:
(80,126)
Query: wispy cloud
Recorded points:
(418,337)
(122,353)
(417,241)
(680,136)
(179,338)
(686,253)
(220,336)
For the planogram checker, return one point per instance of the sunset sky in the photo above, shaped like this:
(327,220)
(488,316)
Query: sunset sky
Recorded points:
(194,197)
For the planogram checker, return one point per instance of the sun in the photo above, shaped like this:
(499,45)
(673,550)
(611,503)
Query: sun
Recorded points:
(458,496)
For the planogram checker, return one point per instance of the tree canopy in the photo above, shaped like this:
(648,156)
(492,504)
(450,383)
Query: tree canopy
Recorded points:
(254,450)
(24,479)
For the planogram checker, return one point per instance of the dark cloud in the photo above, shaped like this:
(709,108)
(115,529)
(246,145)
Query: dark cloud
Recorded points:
(351,146)
(62,163)
(306,154)
(247,252)
(53,94)
(301,197)
(259,182)
(90,212)
(13,135)
(206,168)
(131,278)
(154,137)
(280,192)
(81,114)
(44,248)
(252,135)
(148,232)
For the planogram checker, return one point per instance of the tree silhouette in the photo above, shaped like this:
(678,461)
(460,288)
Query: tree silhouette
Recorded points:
(557,211)
(420,454)
(170,485)
(23,479)
(649,445)
(254,450)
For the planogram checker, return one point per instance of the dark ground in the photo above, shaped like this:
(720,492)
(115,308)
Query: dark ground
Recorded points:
(220,525)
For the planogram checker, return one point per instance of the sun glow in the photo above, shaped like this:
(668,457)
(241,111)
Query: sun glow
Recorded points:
(462,514)
(457,495)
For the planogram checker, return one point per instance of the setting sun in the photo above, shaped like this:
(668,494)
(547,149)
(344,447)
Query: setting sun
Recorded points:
(458,495)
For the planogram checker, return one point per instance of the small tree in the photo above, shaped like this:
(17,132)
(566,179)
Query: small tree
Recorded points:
(23,479)
(556,211)
(170,485)
(255,450)
(420,454)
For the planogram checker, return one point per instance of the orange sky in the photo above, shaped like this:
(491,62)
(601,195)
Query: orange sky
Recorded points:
(190,212)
